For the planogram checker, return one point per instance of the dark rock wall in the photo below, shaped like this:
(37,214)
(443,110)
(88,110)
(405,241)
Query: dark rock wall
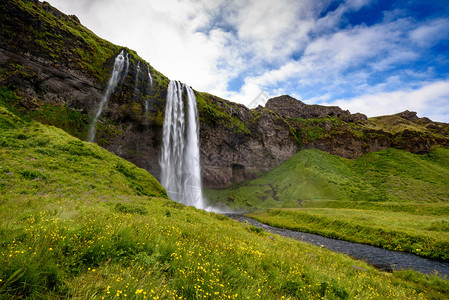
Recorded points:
(228,156)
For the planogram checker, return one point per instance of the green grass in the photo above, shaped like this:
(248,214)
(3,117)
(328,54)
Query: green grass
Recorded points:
(390,175)
(41,160)
(421,234)
(139,246)
(395,124)
(81,223)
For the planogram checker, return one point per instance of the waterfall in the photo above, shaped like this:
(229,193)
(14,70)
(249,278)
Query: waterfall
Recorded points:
(126,68)
(137,92)
(180,157)
(150,88)
(120,61)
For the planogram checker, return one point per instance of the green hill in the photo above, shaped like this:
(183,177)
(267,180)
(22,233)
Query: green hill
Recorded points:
(391,198)
(78,222)
(386,176)
(39,160)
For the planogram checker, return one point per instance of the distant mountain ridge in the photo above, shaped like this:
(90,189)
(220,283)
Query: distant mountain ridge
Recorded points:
(60,69)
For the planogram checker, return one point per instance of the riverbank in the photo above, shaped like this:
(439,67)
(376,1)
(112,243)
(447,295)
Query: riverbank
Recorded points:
(423,231)
(386,260)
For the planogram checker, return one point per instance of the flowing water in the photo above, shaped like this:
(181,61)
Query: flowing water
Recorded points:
(149,87)
(180,157)
(137,92)
(121,62)
(384,259)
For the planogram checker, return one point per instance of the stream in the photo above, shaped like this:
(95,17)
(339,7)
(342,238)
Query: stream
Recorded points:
(383,259)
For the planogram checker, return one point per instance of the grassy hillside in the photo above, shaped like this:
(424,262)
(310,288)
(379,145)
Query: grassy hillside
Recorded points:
(80,223)
(391,198)
(397,123)
(388,176)
(45,161)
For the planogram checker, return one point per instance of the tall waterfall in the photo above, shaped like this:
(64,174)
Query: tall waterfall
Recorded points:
(120,61)
(180,158)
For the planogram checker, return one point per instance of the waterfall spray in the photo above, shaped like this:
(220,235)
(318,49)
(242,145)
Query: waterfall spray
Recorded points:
(120,61)
(180,158)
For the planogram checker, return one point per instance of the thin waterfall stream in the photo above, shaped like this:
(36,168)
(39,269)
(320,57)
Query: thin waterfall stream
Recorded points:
(149,89)
(180,157)
(121,62)
(137,91)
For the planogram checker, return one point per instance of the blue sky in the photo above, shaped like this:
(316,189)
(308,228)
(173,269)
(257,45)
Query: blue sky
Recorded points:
(376,57)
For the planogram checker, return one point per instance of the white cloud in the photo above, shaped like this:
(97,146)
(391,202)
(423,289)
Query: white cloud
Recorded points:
(430,33)
(430,100)
(274,29)
(165,34)
(326,58)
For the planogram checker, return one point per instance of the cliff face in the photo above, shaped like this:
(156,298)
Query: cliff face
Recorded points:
(59,69)
(333,130)
(289,107)
(239,143)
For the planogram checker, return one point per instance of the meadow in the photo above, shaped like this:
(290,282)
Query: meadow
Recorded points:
(422,233)
(78,222)
(140,247)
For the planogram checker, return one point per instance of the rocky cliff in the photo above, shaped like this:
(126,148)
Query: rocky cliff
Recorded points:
(59,69)
(331,129)
(238,143)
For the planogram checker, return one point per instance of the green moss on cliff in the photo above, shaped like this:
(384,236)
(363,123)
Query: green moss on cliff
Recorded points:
(215,111)
(70,120)
(44,32)
(9,117)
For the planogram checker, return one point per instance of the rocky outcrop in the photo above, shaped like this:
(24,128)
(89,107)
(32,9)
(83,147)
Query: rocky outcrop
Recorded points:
(231,154)
(289,107)
(40,82)
(349,145)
